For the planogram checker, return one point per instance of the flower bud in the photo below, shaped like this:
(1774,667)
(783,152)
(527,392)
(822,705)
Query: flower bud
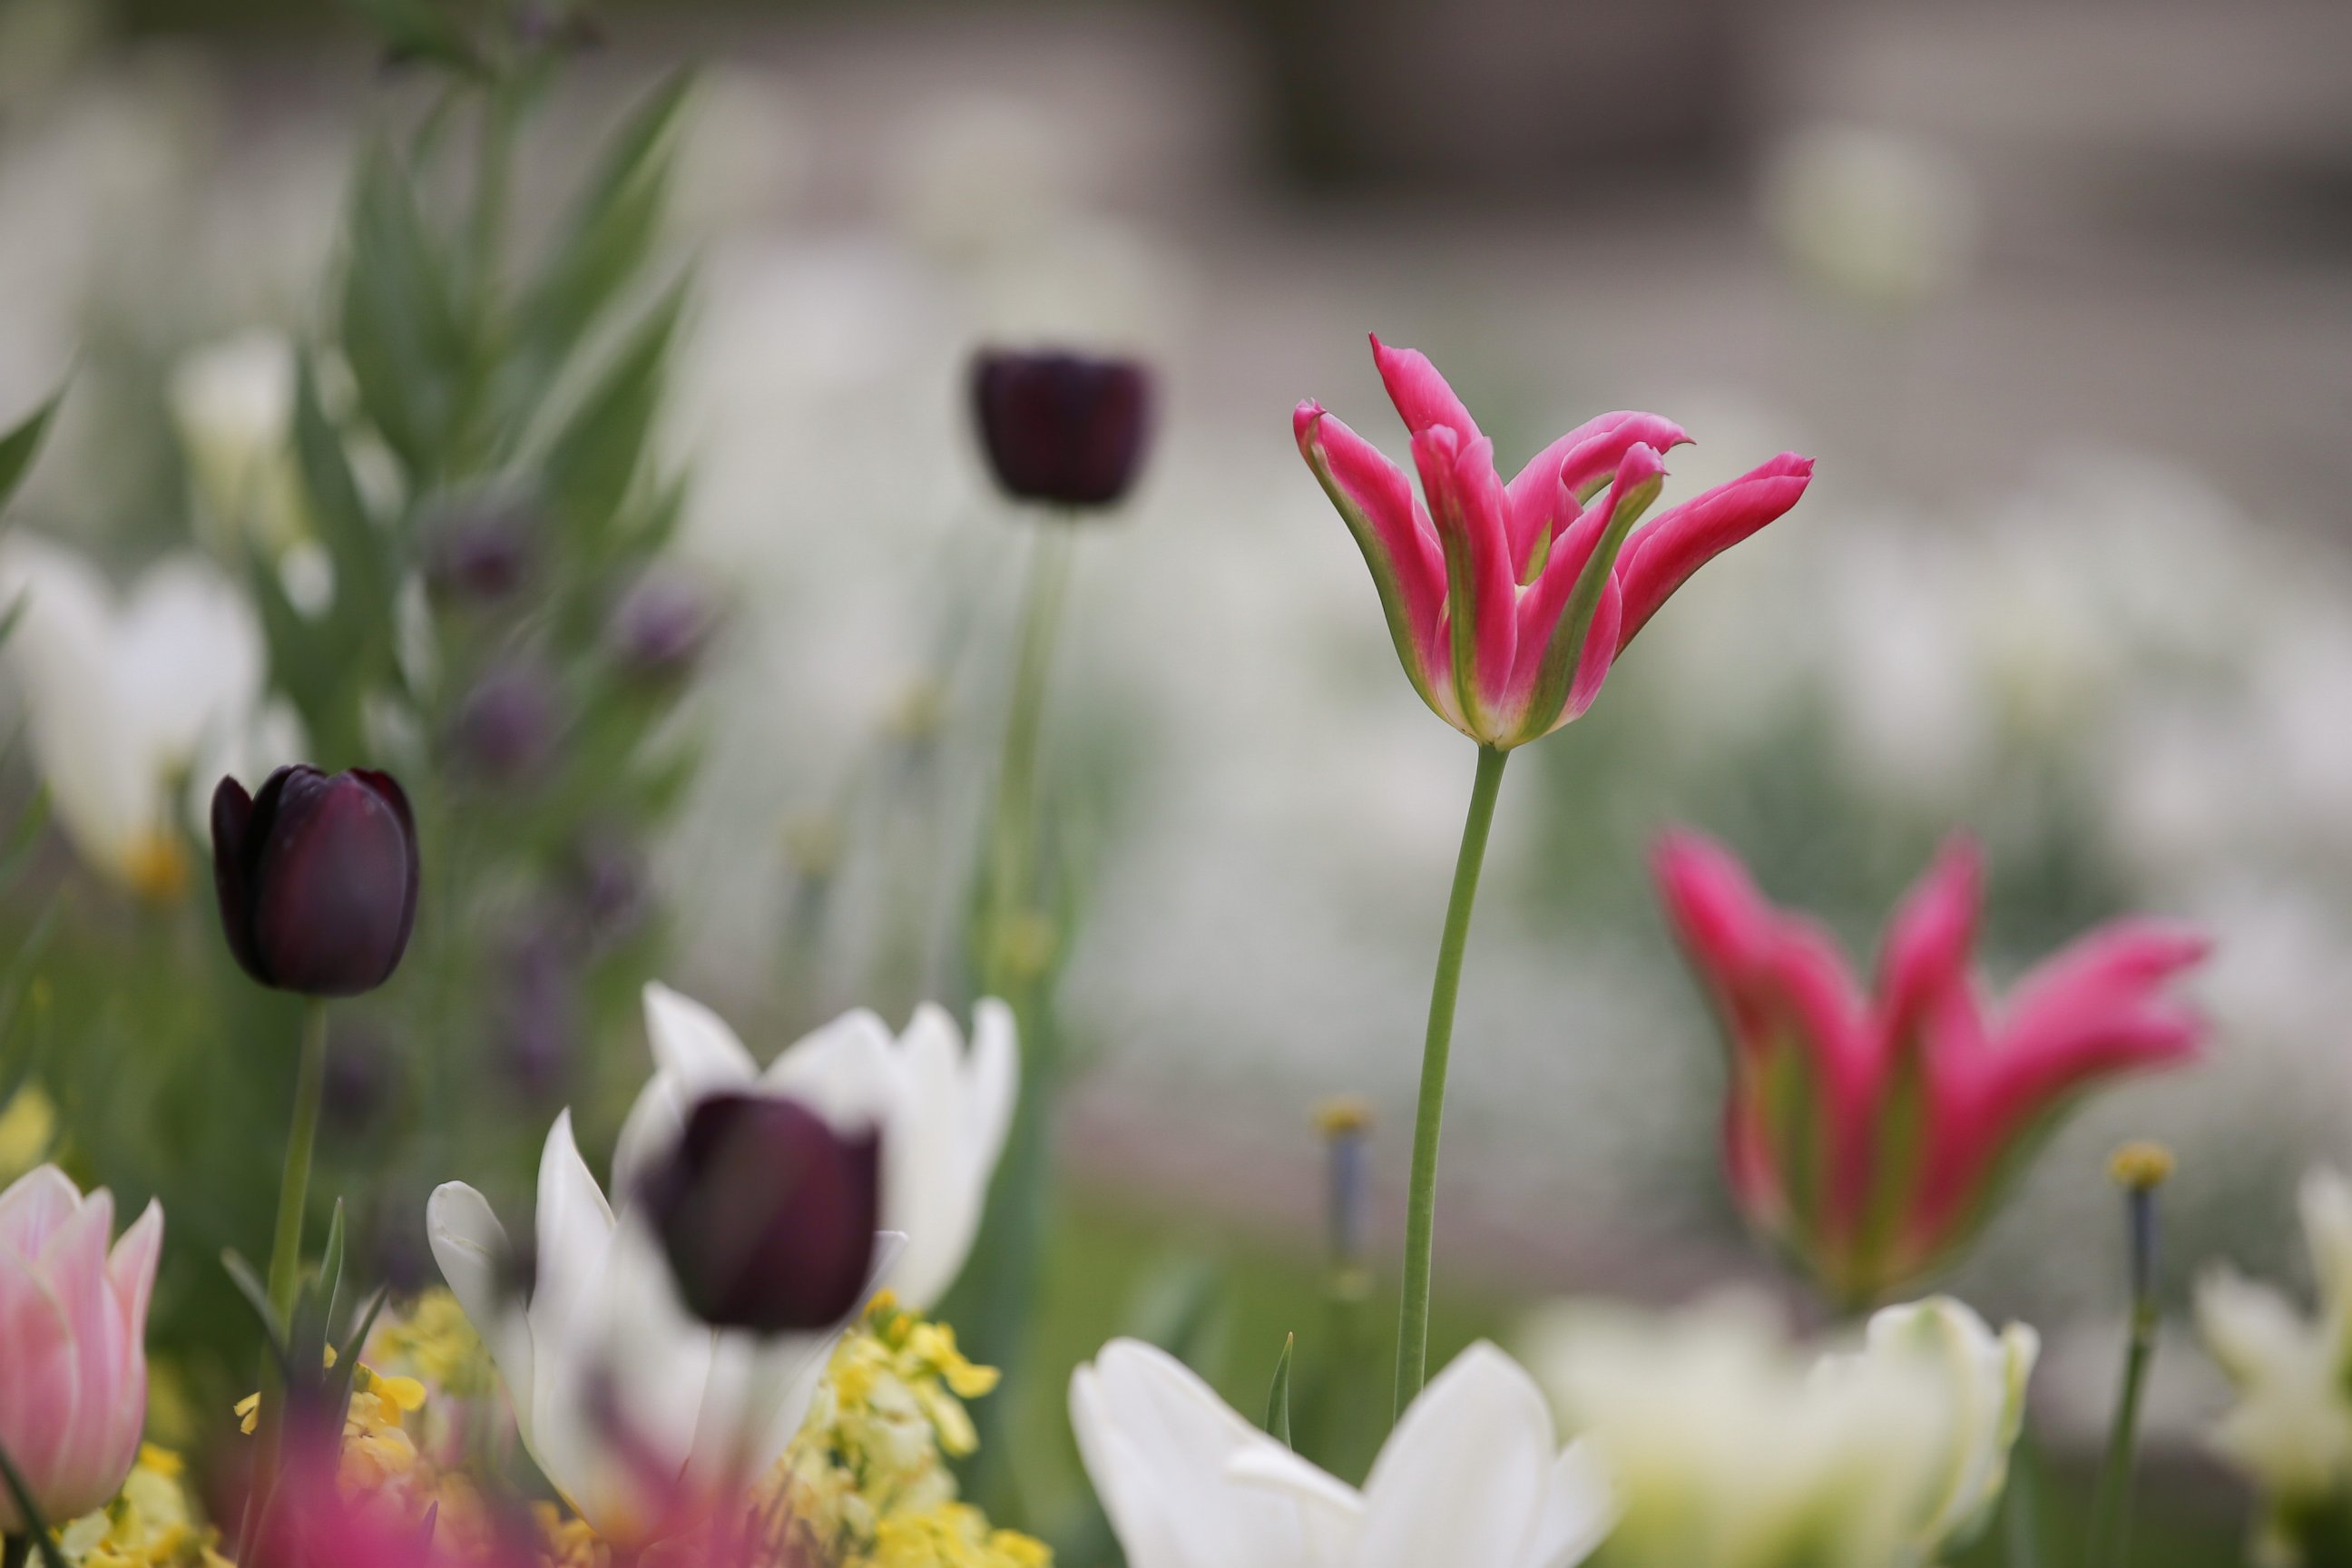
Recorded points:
(1062,428)
(767,1214)
(660,627)
(507,726)
(480,552)
(317,876)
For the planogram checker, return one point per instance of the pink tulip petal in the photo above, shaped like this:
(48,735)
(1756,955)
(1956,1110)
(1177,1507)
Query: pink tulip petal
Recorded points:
(1465,504)
(1376,500)
(40,1396)
(1421,396)
(1576,463)
(32,1209)
(1931,937)
(1660,557)
(1541,683)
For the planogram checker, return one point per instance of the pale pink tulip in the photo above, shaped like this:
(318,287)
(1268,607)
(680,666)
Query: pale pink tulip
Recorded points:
(1868,1135)
(73,1350)
(1509,603)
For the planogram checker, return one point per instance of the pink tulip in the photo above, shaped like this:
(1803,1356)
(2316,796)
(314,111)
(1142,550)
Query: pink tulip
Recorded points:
(1508,604)
(73,1350)
(1869,1134)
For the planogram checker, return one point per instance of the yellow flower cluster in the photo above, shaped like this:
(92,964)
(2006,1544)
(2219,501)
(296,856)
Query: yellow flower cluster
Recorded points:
(433,1341)
(28,1126)
(381,1468)
(866,1484)
(149,1525)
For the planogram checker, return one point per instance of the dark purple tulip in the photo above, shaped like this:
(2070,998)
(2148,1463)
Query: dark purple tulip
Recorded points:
(767,1214)
(317,876)
(1063,428)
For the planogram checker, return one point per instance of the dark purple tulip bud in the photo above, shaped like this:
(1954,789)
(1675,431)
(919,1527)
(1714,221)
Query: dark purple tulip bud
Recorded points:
(317,876)
(507,725)
(767,1214)
(1063,428)
(480,551)
(660,627)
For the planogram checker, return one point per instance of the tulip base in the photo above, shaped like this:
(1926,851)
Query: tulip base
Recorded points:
(1437,1047)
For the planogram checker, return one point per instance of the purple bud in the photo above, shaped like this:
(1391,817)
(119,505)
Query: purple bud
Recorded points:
(480,551)
(507,725)
(660,627)
(767,1214)
(317,876)
(1063,428)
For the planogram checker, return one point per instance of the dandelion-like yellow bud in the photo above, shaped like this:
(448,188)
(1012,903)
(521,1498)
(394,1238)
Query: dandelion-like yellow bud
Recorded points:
(2140,1166)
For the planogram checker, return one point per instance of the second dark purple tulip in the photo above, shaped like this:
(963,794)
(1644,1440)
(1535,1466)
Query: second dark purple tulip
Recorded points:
(317,875)
(768,1214)
(1063,428)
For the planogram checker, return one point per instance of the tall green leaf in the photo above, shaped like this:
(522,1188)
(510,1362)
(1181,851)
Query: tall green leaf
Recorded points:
(21,442)
(402,329)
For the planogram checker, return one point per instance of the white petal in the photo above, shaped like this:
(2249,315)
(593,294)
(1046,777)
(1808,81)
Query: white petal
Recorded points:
(190,654)
(848,1071)
(1330,1510)
(996,1073)
(574,1230)
(478,1261)
(1579,1509)
(1465,1477)
(1160,1446)
(693,1045)
(654,1125)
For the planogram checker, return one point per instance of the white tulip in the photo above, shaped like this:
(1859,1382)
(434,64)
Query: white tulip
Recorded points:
(128,700)
(2291,1431)
(1729,1449)
(637,1412)
(1473,1474)
(232,403)
(943,1112)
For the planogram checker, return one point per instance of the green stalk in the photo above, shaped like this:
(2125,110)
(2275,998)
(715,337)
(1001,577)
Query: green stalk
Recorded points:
(1013,833)
(1421,1214)
(294,1188)
(2111,1507)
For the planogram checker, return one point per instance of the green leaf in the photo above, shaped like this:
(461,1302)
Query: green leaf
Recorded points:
(331,1265)
(367,570)
(1277,1401)
(601,248)
(601,447)
(22,441)
(402,329)
(257,1296)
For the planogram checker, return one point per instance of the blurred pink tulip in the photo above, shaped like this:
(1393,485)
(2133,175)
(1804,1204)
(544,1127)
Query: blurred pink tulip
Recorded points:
(73,1353)
(1869,1134)
(1508,604)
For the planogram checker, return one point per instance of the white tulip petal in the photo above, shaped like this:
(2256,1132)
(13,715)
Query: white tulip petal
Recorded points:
(1330,1509)
(1160,1444)
(576,1232)
(654,1125)
(478,1261)
(1579,1509)
(848,1071)
(1464,1478)
(994,1071)
(692,1045)
(190,657)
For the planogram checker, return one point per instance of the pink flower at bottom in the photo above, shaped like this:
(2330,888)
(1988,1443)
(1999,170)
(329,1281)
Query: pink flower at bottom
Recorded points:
(73,1343)
(1868,1134)
(1509,602)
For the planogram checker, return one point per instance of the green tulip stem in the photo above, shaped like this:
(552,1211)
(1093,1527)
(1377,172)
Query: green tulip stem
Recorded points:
(2111,1507)
(1420,1213)
(1012,870)
(294,1189)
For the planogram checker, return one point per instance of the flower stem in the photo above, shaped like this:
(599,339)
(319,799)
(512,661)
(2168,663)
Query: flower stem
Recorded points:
(2111,1507)
(1421,1214)
(1013,833)
(294,1189)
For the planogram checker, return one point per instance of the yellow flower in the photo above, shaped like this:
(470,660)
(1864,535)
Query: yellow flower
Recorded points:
(149,1525)
(433,1340)
(28,1126)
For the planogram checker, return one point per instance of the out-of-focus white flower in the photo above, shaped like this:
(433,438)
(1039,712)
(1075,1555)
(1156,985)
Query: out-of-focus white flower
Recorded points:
(232,403)
(1729,1449)
(130,699)
(2291,1431)
(943,1112)
(1880,216)
(637,1412)
(1473,1474)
